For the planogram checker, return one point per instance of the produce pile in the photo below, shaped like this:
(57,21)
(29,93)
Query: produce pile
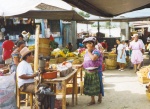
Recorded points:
(31,47)
(65,53)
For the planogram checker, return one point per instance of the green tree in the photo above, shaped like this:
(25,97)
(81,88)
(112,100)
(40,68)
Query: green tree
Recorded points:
(84,14)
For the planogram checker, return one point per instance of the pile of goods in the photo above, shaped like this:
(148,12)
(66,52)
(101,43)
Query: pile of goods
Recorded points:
(31,47)
(143,74)
(65,68)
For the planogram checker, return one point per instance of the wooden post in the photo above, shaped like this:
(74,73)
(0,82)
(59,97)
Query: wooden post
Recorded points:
(36,52)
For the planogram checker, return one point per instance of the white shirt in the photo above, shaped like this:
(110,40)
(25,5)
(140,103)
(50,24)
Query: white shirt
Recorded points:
(24,68)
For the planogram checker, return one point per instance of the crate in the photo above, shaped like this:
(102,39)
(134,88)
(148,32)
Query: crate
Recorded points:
(68,89)
(148,94)
(143,80)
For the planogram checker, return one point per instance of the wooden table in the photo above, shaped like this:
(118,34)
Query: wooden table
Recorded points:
(79,66)
(64,81)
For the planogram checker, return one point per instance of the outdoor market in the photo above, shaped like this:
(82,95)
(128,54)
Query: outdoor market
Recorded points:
(57,58)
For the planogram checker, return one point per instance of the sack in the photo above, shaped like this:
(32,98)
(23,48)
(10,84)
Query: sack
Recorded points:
(8,92)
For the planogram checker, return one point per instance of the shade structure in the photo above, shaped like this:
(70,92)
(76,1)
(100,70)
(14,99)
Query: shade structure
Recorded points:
(53,15)
(109,8)
(14,7)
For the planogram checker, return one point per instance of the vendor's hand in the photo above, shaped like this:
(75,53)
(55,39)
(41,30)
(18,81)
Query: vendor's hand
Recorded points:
(120,57)
(35,74)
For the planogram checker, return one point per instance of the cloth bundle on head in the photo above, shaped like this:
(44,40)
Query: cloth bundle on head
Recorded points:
(25,51)
(93,39)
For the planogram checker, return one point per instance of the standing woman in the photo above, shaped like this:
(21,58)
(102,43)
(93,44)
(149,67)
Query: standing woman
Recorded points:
(121,56)
(136,57)
(93,86)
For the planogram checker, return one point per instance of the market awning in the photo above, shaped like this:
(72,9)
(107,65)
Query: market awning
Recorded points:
(109,8)
(53,15)
(121,19)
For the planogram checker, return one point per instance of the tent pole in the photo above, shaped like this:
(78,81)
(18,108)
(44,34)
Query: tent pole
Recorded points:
(37,32)
(98,28)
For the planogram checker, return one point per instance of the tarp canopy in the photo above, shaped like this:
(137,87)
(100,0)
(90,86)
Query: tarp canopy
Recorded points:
(14,7)
(52,15)
(122,19)
(109,8)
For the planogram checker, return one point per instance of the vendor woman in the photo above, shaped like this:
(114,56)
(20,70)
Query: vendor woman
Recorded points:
(93,85)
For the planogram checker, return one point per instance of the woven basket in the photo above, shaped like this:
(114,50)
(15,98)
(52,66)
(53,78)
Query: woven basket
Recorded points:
(60,59)
(44,41)
(112,56)
(111,63)
(110,67)
(53,61)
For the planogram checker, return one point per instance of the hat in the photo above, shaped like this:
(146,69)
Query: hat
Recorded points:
(134,35)
(24,32)
(25,51)
(89,39)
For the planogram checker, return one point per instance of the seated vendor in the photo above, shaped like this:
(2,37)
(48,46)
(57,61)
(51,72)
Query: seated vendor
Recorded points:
(25,75)
(69,46)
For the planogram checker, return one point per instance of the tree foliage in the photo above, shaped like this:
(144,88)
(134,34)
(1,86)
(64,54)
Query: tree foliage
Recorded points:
(84,14)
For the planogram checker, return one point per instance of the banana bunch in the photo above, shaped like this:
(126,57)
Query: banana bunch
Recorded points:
(70,54)
(58,53)
(32,47)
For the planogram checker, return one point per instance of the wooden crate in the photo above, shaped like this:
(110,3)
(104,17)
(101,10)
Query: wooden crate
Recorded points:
(68,89)
(143,80)
(148,94)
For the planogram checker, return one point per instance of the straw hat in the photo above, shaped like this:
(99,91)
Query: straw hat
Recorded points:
(25,51)
(24,32)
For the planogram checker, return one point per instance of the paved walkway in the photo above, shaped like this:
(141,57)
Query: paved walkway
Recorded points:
(122,91)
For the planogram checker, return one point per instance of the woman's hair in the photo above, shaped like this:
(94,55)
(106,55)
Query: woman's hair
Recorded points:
(25,57)
(6,37)
(20,43)
(118,40)
(21,35)
(90,41)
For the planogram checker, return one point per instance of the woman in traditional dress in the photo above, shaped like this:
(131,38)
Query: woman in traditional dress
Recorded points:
(92,64)
(136,57)
(121,56)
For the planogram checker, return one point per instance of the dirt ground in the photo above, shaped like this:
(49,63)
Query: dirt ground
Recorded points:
(122,91)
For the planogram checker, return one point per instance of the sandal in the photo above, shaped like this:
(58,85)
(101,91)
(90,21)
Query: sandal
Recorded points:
(99,100)
(91,103)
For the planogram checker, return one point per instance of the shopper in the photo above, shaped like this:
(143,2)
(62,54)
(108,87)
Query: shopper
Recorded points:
(7,46)
(69,46)
(16,56)
(136,57)
(121,56)
(92,64)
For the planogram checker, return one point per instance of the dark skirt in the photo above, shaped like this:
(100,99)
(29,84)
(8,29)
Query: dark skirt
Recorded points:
(91,83)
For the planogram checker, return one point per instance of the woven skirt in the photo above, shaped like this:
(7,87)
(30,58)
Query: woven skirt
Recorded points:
(91,83)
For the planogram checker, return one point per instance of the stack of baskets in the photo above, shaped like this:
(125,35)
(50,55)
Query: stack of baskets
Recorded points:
(44,46)
(111,61)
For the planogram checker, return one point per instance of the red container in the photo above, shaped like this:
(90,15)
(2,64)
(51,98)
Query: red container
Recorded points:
(49,75)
